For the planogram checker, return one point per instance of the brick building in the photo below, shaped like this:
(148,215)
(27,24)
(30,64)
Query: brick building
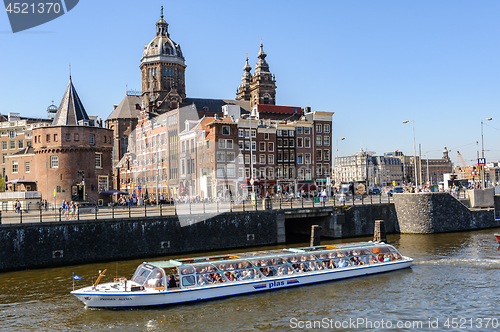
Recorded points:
(68,160)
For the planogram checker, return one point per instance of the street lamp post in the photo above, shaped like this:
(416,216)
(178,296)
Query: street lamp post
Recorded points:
(337,147)
(414,153)
(482,150)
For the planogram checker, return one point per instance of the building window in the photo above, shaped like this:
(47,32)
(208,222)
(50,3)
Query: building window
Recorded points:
(241,158)
(241,132)
(47,138)
(20,144)
(307,159)
(15,166)
(280,156)
(326,141)
(247,145)
(55,137)
(221,156)
(307,142)
(285,143)
(318,170)
(254,160)
(3,158)
(270,159)
(308,174)
(326,155)
(225,130)
(77,137)
(12,145)
(241,172)
(254,146)
(262,158)
(270,173)
(12,134)
(280,143)
(270,147)
(54,162)
(307,130)
(279,132)
(4,145)
(326,129)
(299,158)
(292,143)
(221,170)
(231,157)
(319,128)
(319,155)
(247,173)
(27,167)
(103,183)
(98,160)
(92,139)
(292,156)
(247,159)
(231,170)
(262,146)
(299,130)
(319,140)
(254,133)
(266,136)
(247,133)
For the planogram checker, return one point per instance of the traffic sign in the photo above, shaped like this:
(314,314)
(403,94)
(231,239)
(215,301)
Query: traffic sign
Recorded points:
(481,161)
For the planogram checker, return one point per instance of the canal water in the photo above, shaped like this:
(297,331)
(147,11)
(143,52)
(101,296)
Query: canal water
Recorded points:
(453,285)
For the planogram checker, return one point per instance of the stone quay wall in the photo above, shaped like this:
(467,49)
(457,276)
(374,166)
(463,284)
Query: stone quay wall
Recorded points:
(75,242)
(439,212)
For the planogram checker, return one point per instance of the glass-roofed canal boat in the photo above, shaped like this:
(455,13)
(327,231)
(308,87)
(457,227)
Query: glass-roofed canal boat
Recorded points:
(203,278)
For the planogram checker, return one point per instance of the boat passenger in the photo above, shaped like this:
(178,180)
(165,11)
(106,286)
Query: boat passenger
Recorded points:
(202,280)
(171,282)
(386,258)
(332,264)
(343,263)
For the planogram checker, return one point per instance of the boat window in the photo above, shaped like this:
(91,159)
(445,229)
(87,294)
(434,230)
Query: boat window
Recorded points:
(300,258)
(301,267)
(364,260)
(334,254)
(155,279)
(267,261)
(203,268)
(188,281)
(183,270)
(142,273)
(276,270)
(210,278)
(234,265)
(356,252)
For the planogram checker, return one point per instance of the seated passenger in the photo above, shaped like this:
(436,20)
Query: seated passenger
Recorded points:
(343,263)
(202,280)
(386,258)
(171,282)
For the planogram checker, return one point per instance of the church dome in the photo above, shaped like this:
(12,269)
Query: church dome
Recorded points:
(162,45)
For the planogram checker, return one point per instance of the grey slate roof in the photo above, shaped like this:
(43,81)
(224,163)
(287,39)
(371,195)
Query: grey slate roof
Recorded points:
(71,109)
(215,105)
(127,108)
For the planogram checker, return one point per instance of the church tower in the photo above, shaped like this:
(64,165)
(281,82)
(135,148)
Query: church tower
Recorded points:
(243,92)
(263,86)
(163,68)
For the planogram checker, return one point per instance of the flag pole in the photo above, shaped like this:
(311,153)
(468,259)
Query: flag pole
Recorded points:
(73,280)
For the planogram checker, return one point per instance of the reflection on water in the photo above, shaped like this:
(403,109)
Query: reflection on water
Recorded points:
(455,275)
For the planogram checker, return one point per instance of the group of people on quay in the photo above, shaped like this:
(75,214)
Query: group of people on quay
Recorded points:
(70,209)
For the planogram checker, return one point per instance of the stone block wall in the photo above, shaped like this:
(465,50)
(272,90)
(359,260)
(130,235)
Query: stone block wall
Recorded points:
(75,242)
(438,212)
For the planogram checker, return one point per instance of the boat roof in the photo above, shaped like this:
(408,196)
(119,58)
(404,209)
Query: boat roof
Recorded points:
(263,253)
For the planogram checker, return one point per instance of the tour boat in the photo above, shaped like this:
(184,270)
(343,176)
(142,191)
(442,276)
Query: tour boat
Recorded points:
(204,278)
(497,237)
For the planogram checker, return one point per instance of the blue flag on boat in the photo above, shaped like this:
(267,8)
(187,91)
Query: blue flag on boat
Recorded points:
(75,277)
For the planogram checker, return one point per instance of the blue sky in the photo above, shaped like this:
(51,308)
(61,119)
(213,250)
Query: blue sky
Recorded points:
(373,63)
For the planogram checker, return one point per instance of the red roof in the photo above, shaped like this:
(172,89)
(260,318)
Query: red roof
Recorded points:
(279,109)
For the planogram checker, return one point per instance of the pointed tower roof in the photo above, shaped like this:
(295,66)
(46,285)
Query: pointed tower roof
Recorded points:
(71,109)
(261,65)
(246,79)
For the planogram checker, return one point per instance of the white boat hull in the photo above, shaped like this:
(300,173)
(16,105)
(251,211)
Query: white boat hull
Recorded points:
(151,297)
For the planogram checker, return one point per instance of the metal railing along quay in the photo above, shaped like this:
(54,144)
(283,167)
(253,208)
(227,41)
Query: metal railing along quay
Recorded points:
(182,208)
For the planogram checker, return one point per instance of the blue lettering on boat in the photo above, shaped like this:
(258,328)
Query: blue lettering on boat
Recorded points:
(107,299)
(276,284)
(125,299)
